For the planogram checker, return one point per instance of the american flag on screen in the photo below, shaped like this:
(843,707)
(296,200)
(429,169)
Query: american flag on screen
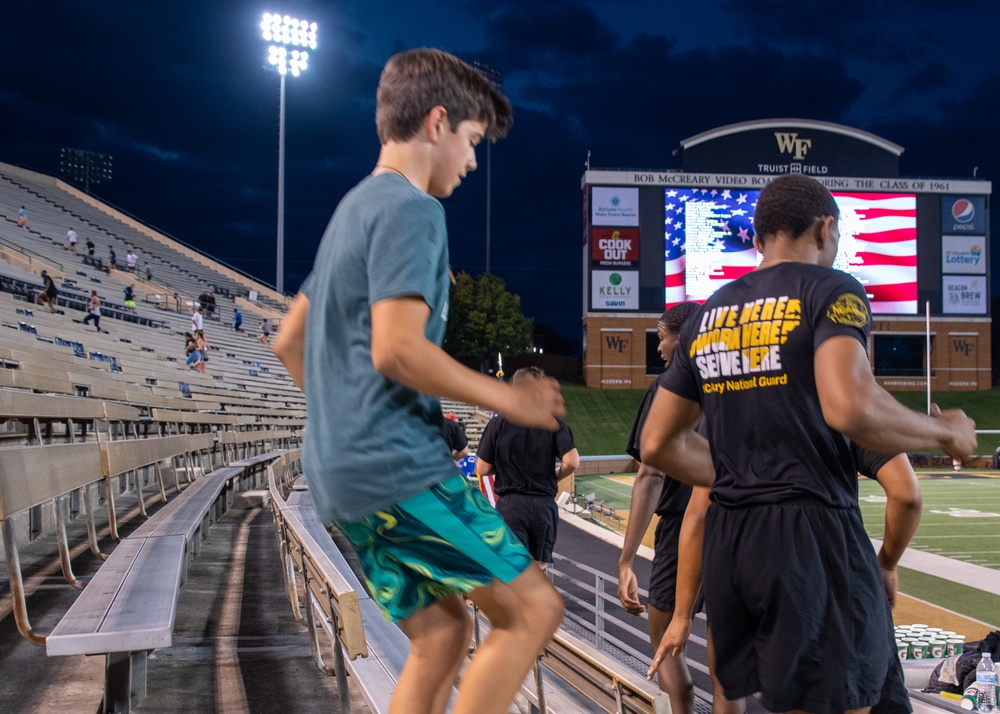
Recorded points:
(878,246)
(709,240)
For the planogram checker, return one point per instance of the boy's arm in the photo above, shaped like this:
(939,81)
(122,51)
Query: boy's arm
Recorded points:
(689,544)
(484,468)
(645,493)
(568,464)
(902,516)
(670,444)
(401,351)
(855,405)
(289,346)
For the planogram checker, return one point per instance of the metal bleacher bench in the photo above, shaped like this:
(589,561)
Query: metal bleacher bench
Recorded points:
(334,599)
(570,675)
(129,607)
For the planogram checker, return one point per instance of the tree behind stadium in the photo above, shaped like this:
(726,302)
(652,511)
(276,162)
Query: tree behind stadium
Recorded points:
(484,319)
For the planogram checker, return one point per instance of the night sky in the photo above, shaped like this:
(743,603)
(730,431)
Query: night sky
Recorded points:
(179,94)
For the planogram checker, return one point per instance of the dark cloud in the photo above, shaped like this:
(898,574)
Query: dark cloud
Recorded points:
(177,93)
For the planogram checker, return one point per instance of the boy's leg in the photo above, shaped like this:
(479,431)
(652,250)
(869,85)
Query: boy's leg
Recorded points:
(524,613)
(673,674)
(439,639)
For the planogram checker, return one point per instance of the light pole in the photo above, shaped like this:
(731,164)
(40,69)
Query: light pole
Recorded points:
(283,32)
(496,79)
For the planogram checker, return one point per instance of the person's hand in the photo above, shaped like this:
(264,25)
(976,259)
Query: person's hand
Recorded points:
(961,442)
(673,643)
(890,580)
(536,402)
(628,591)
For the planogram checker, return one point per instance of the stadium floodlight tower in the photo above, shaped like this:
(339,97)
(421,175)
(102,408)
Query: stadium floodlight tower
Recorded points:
(288,52)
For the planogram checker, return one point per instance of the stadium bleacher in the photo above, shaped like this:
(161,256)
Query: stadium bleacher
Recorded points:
(112,428)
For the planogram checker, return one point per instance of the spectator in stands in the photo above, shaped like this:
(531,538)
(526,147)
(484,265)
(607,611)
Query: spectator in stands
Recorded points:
(71,239)
(130,295)
(148,270)
(130,260)
(527,479)
(806,626)
(194,360)
(112,259)
(93,310)
(22,217)
(653,493)
(265,331)
(237,320)
(199,337)
(375,304)
(48,294)
(197,320)
(453,433)
(90,248)
(207,302)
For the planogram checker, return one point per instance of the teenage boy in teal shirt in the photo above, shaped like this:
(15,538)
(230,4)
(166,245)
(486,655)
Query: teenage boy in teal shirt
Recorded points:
(363,341)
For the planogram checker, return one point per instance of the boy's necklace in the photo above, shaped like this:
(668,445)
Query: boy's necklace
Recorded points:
(393,169)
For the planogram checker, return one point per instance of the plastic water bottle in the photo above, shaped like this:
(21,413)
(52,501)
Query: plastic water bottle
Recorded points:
(986,683)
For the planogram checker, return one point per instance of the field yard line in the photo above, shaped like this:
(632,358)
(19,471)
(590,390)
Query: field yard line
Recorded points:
(968,574)
(977,536)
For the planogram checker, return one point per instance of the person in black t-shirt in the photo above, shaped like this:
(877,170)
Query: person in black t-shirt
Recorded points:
(653,493)
(778,362)
(48,293)
(526,478)
(453,433)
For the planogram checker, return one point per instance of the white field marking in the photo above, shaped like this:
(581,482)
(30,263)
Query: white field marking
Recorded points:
(966,536)
(964,513)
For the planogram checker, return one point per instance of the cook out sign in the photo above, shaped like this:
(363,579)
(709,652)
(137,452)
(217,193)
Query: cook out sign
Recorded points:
(615,247)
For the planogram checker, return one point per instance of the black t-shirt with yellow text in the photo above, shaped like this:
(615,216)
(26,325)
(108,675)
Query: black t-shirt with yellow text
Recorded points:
(524,458)
(747,356)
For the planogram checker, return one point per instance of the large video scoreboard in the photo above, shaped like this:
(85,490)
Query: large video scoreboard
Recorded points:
(653,239)
(687,235)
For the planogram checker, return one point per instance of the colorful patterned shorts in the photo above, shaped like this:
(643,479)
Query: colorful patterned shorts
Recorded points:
(444,541)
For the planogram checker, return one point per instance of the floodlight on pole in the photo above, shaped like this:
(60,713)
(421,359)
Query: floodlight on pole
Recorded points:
(284,32)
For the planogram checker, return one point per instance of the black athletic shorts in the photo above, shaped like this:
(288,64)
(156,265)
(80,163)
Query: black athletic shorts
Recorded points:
(534,519)
(663,579)
(798,609)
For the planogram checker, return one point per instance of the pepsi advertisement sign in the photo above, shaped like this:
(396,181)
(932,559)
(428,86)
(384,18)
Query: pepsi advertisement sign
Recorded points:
(963,215)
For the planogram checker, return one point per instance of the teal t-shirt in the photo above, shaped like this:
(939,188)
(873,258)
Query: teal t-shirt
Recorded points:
(370,441)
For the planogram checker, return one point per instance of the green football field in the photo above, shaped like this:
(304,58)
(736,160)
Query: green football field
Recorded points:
(961,520)
(961,517)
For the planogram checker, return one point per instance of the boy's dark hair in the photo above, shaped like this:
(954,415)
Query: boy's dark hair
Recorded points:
(791,204)
(672,319)
(524,372)
(416,81)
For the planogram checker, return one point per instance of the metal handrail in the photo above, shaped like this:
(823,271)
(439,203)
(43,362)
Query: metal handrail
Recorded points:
(26,251)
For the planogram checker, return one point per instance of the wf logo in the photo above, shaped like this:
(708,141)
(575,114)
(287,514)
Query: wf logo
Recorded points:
(616,343)
(963,346)
(790,143)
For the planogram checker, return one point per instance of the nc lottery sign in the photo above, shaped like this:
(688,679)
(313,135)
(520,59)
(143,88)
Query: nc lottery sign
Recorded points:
(614,289)
(963,254)
(616,206)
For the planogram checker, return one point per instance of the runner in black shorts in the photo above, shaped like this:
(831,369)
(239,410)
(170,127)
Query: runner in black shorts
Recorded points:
(777,360)
(653,493)
(526,478)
